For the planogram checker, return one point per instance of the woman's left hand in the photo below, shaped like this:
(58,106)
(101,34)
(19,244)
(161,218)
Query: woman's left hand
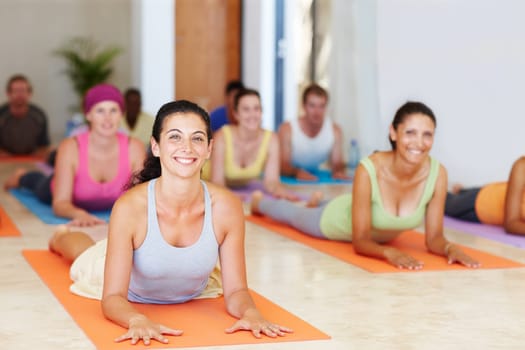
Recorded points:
(341,175)
(259,326)
(455,254)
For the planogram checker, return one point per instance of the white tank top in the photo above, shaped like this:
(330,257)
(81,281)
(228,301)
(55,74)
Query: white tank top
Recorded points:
(164,274)
(310,152)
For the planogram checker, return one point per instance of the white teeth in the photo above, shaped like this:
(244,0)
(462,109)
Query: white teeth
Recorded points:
(184,160)
(415,151)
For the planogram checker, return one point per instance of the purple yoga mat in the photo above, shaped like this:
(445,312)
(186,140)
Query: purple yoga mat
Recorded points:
(495,233)
(44,168)
(245,192)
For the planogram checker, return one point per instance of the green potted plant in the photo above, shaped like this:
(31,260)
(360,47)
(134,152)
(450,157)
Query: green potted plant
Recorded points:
(87,64)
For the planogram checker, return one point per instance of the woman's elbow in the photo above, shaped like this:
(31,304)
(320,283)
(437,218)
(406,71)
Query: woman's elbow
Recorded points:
(513,227)
(357,244)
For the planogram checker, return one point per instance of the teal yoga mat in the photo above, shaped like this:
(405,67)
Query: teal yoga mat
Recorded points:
(44,211)
(324,177)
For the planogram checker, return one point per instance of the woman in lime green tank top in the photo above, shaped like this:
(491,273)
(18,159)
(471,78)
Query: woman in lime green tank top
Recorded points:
(393,191)
(246,152)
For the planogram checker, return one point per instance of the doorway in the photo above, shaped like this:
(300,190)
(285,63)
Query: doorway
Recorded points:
(207,49)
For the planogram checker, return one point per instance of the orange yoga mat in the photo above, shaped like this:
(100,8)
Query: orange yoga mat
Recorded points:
(15,159)
(7,226)
(411,242)
(203,320)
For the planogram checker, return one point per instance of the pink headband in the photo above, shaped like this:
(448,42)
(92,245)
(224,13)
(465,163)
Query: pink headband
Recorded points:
(100,93)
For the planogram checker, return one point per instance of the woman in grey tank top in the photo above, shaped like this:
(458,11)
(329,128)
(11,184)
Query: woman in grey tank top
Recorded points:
(169,210)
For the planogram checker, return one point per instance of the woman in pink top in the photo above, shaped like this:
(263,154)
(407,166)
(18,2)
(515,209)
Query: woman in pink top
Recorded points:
(93,167)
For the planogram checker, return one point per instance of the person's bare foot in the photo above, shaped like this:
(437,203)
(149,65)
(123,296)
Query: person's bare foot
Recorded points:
(254,203)
(14,180)
(314,199)
(59,231)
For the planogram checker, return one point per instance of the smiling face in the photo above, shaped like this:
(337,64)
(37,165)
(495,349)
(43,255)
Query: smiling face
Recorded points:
(414,136)
(249,112)
(183,146)
(104,118)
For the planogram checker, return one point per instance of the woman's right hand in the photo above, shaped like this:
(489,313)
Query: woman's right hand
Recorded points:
(402,260)
(84,219)
(305,175)
(141,328)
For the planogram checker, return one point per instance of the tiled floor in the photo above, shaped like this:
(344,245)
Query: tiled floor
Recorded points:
(482,309)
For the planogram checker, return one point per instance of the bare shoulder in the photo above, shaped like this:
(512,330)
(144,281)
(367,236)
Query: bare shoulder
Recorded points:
(135,144)
(519,163)
(137,152)
(517,174)
(133,203)
(67,151)
(218,136)
(285,127)
(273,138)
(67,145)
(381,158)
(442,170)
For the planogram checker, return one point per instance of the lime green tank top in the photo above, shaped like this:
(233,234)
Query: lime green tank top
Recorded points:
(336,220)
(234,174)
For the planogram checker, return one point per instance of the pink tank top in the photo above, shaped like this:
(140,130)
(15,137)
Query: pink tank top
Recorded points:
(91,195)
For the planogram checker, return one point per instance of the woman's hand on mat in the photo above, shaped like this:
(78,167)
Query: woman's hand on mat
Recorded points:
(255,323)
(402,260)
(85,219)
(305,175)
(341,175)
(455,254)
(141,328)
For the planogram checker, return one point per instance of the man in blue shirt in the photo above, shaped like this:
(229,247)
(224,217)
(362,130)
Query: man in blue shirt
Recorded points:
(224,114)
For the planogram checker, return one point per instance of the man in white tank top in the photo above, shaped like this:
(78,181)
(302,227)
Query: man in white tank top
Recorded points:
(311,140)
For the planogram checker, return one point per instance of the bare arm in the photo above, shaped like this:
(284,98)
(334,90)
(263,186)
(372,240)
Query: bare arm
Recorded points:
(229,219)
(127,217)
(336,157)
(362,224)
(272,181)
(285,152)
(217,159)
(137,154)
(434,238)
(285,142)
(513,221)
(119,258)
(65,167)
(362,217)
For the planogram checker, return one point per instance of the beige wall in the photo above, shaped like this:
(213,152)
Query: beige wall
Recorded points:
(31,29)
